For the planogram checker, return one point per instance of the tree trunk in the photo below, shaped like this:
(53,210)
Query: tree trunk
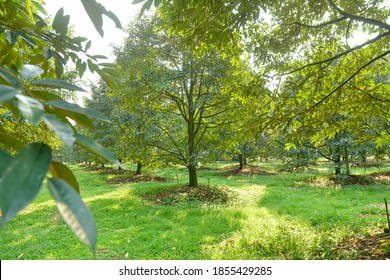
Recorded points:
(338,165)
(346,161)
(241,161)
(139,167)
(192,175)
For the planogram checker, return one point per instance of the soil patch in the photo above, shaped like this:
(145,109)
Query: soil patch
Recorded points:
(137,178)
(381,177)
(343,180)
(184,194)
(114,171)
(374,247)
(248,169)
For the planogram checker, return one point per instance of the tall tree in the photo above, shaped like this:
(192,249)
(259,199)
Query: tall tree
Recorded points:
(182,87)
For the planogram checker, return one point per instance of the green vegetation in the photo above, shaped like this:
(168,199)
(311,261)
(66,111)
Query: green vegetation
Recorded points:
(267,215)
(197,82)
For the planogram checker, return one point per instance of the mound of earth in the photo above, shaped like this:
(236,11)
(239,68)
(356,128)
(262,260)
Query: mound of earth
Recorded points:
(374,247)
(184,194)
(113,171)
(343,180)
(381,177)
(248,169)
(137,178)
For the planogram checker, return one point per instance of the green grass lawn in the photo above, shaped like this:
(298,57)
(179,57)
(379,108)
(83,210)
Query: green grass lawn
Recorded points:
(267,216)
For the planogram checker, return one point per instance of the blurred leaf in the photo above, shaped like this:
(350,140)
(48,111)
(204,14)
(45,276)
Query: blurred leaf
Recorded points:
(74,211)
(22,179)
(146,6)
(77,109)
(7,93)
(44,95)
(27,39)
(12,37)
(5,160)
(10,141)
(31,108)
(57,84)
(47,53)
(96,11)
(61,22)
(97,149)
(29,8)
(61,171)
(29,71)
(63,130)
(88,45)
(9,77)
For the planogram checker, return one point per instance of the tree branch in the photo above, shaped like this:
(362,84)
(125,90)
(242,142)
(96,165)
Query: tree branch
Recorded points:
(377,38)
(351,77)
(359,18)
(321,24)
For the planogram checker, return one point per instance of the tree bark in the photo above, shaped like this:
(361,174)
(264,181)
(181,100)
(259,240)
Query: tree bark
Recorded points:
(241,161)
(139,167)
(346,161)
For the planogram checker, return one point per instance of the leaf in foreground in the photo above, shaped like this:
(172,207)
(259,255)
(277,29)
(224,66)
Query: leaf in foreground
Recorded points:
(74,211)
(22,179)
(97,149)
(61,171)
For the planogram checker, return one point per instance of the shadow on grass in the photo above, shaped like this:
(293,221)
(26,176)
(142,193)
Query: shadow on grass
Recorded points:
(128,228)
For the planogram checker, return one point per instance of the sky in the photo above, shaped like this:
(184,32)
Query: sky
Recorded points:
(123,9)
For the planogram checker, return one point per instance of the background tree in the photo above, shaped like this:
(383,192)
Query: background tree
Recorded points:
(311,43)
(182,88)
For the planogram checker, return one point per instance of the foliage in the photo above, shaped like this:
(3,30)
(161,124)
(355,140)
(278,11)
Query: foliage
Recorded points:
(33,57)
(179,91)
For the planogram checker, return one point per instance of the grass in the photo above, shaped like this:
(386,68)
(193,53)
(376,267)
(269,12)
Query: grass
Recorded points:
(275,216)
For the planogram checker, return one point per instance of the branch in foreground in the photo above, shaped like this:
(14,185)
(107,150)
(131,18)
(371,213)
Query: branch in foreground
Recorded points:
(351,77)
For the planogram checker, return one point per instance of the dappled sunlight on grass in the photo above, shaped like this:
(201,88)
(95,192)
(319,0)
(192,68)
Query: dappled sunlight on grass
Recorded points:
(283,216)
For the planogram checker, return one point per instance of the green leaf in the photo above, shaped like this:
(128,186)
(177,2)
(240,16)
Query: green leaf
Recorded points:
(77,109)
(22,179)
(88,45)
(61,171)
(109,80)
(10,141)
(47,53)
(78,118)
(7,93)
(96,57)
(57,84)
(97,149)
(9,77)
(27,39)
(61,22)
(74,211)
(28,71)
(63,130)
(137,1)
(29,8)
(31,108)
(5,160)
(12,37)
(96,11)
(146,6)
(44,95)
